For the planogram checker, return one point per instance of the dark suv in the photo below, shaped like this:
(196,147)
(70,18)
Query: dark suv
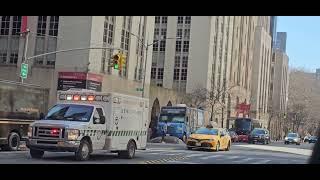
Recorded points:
(259,135)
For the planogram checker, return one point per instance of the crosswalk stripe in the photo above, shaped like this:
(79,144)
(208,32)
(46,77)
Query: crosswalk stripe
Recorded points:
(194,155)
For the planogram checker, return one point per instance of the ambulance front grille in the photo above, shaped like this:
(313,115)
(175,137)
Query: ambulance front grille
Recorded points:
(49,132)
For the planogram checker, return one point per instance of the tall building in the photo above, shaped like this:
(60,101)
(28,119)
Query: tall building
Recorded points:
(51,33)
(280,82)
(261,72)
(281,42)
(215,52)
(318,74)
(273,29)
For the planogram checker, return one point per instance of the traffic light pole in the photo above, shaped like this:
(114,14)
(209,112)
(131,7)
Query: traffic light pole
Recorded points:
(24,58)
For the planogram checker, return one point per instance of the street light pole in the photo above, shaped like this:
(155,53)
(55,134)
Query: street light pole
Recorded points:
(145,69)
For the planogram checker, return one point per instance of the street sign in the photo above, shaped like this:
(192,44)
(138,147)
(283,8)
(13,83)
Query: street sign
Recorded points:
(24,71)
(139,89)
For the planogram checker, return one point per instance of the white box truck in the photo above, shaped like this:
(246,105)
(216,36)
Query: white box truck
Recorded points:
(83,121)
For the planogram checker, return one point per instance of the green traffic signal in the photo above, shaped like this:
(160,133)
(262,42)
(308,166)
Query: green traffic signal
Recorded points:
(115,66)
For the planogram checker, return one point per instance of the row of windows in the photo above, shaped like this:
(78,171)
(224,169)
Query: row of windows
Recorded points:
(184,62)
(162,19)
(176,73)
(179,46)
(154,73)
(13,58)
(53,25)
(108,29)
(5,25)
(185,35)
(187,20)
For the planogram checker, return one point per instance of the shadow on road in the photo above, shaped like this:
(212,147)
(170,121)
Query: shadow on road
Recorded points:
(93,157)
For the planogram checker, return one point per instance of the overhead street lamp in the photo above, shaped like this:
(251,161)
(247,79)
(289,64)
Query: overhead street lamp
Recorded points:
(146,46)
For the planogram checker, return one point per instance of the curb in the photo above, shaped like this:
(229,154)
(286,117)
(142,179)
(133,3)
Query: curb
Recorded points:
(304,152)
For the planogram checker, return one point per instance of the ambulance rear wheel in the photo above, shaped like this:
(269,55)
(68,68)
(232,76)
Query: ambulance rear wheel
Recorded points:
(130,152)
(83,153)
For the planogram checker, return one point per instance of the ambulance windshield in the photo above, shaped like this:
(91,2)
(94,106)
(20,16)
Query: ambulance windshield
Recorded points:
(70,112)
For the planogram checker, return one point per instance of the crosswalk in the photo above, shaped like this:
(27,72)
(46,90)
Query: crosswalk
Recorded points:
(174,156)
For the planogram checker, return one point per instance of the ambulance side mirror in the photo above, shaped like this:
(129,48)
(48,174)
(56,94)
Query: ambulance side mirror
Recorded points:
(41,116)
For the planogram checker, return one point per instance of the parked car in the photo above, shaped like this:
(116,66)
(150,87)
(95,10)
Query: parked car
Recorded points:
(234,136)
(292,138)
(306,139)
(313,139)
(259,135)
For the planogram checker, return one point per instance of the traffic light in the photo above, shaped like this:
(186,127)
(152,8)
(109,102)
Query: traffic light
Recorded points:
(122,62)
(115,60)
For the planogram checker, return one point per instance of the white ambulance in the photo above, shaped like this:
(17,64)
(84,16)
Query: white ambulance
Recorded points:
(83,121)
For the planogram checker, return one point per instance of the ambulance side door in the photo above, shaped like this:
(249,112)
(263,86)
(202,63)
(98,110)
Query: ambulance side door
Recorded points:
(98,128)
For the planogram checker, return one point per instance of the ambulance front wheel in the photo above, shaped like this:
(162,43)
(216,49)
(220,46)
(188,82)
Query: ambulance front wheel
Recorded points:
(83,153)
(130,152)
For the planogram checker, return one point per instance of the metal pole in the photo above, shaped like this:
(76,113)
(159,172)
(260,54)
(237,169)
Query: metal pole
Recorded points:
(145,67)
(24,58)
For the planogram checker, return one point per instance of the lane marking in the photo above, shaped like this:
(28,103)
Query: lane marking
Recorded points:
(261,162)
(209,157)
(243,160)
(232,157)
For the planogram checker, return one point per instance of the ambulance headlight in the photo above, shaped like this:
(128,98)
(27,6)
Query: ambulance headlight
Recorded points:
(73,134)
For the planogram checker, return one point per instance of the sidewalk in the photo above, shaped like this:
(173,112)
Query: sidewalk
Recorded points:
(305,152)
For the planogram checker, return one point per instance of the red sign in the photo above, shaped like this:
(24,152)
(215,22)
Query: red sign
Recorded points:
(94,77)
(80,80)
(243,108)
(73,75)
(24,24)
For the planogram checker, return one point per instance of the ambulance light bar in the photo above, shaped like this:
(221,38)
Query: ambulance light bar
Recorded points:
(76,97)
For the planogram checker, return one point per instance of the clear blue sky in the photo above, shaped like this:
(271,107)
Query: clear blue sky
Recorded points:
(303,40)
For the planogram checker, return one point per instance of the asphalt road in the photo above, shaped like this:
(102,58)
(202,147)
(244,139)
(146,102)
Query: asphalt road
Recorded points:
(166,154)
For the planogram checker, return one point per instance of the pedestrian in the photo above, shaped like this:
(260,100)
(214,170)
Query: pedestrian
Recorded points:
(164,130)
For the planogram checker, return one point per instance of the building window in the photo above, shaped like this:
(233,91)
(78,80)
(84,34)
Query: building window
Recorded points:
(153,73)
(186,46)
(155,45)
(108,30)
(39,60)
(157,20)
(16,25)
(177,61)
(125,36)
(42,25)
(185,61)
(163,33)
(53,27)
(5,23)
(188,20)
(180,19)
(162,45)
(176,74)
(51,59)
(179,33)
(178,46)
(186,33)
(184,74)
(156,33)
(164,19)
(160,73)
(159,84)
(13,58)
(3,58)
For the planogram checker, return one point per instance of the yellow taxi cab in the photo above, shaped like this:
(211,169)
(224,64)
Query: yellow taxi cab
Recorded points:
(209,138)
